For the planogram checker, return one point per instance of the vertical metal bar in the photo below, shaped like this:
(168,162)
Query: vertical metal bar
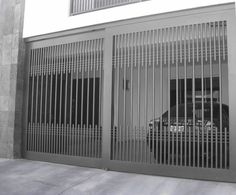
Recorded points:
(170,42)
(50,105)
(78,71)
(131,43)
(215,134)
(55,99)
(146,58)
(63,75)
(94,85)
(44,102)
(72,71)
(82,5)
(211,90)
(211,72)
(80,139)
(88,53)
(77,68)
(65,95)
(139,64)
(124,47)
(119,138)
(54,80)
(177,95)
(226,145)
(73,64)
(128,38)
(153,43)
(155,64)
(55,95)
(46,91)
(220,94)
(50,87)
(142,66)
(87,100)
(161,96)
(117,90)
(130,65)
(36,101)
(193,85)
(96,140)
(41,97)
(132,86)
(75,6)
(223,39)
(30,87)
(202,90)
(72,141)
(99,68)
(32,96)
(59,103)
(214,49)
(197,59)
(181,62)
(193,94)
(185,96)
(78,6)
(92,97)
(48,128)
(83,46)
(48,110)
(100,93)
(155,59)
(138,56)
(83,140)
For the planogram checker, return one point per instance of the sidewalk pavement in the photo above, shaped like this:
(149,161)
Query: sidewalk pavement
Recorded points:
(24,177)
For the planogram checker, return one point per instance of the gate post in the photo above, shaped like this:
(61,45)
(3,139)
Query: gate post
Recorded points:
(107,100)
(232,94)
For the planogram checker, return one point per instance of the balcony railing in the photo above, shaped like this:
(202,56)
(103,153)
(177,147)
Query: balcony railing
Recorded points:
(82,6)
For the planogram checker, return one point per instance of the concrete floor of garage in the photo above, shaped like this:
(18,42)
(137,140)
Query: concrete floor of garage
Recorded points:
(24,177)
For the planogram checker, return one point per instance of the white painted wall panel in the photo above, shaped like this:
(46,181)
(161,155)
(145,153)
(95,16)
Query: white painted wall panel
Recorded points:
(48,16)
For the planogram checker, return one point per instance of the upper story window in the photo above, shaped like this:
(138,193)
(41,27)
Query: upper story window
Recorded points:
(82,6)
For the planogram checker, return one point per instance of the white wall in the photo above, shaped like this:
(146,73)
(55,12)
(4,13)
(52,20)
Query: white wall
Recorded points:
(47,16)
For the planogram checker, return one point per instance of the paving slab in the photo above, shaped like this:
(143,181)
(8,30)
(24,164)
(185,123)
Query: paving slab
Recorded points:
(25,177)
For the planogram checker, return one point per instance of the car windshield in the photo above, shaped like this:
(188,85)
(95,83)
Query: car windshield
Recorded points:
(198,110)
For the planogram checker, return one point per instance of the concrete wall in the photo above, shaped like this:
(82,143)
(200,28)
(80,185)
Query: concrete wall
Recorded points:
(11,80)
(48,16)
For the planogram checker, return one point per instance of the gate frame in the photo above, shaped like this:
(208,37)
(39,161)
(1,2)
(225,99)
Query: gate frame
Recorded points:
(185,17)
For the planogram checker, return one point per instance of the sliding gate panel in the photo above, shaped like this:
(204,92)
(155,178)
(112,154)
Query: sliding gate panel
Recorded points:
(64,99)
(170,96)
(147,95)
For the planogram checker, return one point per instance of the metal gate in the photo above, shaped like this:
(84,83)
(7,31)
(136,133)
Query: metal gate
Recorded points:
(64,99)
(153,98)
(169,106)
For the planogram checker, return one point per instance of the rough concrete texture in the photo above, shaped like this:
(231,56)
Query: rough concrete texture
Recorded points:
(11,77)
(24,177)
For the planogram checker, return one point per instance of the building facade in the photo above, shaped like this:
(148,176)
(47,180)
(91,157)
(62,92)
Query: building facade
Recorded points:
(151,94)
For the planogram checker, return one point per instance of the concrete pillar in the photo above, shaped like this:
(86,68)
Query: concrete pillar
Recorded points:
(11,77)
